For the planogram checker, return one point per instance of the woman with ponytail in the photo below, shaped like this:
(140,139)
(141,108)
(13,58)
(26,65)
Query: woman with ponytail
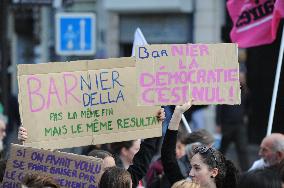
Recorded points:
(211,170)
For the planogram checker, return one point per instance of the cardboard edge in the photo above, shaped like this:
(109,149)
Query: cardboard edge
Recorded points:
(20,101)
(72,66)
(18,146)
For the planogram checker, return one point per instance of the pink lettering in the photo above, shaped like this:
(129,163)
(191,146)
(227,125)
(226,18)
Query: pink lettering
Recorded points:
(207,94)
(160,78)
(203,48)
(161,95)
(145,96)
(190,75)
(34,93)
(51,91)
(183,77)
(185,94)
(175,94)
(201,74)
(180,64)
(209,98)
(144,82)
(68,91)
(192,50)
(177,50)
(193,64)
(211,76)
(197,93)
(218,71)
(233,75)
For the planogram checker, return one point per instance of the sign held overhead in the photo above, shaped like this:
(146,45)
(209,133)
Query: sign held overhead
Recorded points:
(169,74)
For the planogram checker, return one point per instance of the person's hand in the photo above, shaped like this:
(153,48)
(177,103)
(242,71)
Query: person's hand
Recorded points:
(176,117)
(22,134)
(161,115)
(183,108)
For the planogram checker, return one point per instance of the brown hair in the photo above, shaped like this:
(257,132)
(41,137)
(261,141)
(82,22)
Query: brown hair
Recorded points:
(39,181)
(201,135)
(115,177)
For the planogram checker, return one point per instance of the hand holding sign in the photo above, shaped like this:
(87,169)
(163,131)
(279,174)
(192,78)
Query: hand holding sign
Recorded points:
(177,115)
(22,134)
(180,109)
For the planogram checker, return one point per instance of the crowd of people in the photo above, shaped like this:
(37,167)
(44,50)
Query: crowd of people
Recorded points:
(190,161)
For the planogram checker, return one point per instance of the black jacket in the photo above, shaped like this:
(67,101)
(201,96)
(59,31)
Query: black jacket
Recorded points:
(168,157)
(142,160)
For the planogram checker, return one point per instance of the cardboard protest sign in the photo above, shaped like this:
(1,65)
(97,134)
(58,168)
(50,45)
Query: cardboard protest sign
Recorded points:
(164,73)
(64,105)
(69,170)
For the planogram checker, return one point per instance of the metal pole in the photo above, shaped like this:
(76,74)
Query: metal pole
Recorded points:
(276,83)
(186,124)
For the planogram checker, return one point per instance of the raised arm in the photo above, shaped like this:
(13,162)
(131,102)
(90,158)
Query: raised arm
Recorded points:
(168,153)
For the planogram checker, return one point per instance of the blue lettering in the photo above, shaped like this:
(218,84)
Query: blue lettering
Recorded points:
(164,53)
(120,95)
(102,81)
(37,156)
(86,98)
(19,164)
(115,76)
(88,83)
(145,52)
(93,98)
(155,54)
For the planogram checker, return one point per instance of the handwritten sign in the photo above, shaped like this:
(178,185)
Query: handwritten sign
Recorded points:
(80,103)
(69,170)
(164,73)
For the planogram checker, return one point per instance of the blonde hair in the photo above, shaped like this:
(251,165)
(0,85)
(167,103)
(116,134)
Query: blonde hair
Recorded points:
(185,184)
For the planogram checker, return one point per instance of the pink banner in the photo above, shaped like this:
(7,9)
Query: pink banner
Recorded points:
(255,21)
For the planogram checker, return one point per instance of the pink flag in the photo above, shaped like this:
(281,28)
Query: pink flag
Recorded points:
(255,21)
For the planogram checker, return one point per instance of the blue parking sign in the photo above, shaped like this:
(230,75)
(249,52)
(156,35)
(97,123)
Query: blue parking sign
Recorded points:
(75,34)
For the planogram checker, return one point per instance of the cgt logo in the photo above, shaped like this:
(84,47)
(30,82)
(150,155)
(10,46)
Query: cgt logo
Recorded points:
(252,12)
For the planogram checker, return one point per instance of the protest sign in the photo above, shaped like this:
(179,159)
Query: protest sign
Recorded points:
(81,103)
(164,73)
(69,170)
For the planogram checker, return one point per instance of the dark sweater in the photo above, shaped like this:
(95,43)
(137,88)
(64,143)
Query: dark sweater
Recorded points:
(168,157)
(142,160)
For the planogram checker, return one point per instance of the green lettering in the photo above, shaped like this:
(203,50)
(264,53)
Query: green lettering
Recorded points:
(132,122)
(119,124)
(83,114)
(47,131)
(109,125)
(64,129)
(89,126)
(126,124)
(79,128)
(103,125)
(56,131)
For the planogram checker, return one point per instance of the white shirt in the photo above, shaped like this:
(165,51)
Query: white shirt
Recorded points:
(259,164)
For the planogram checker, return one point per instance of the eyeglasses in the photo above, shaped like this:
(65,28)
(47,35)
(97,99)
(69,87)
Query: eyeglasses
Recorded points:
(203,150)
